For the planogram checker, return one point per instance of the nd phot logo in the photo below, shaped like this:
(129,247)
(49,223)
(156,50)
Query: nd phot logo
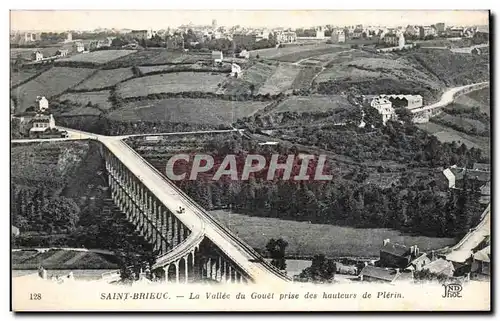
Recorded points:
(452,290)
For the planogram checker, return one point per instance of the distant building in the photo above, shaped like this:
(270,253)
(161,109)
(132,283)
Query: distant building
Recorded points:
(455,32)
(357,33)
(62,52)
(235,70)
(69,37)
(338,36)
(427,31)
(407,101)
(320,33)
(43,103)
(214,24)
(391,39)
(217,56)
(478,179)
(142,34)
(440,28)
(37,56)
(244,54)
(401,41)
(482,35)
(285,37)
(412,31)
(384,108)
(78,47)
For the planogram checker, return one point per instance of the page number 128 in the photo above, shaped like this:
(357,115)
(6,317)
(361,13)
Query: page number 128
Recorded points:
(35,296)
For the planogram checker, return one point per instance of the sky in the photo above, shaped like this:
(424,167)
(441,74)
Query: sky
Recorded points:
(48,20)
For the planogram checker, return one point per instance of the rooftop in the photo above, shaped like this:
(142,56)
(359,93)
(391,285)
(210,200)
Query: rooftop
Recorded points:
(440,266)
(379,273)
(394,249)
(483,255)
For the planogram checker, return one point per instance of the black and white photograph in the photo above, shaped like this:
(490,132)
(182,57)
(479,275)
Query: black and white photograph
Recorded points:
(246,160)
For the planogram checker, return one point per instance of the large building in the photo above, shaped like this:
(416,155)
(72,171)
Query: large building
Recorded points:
(440,27)
(407,101)
(286,37)
(427,31)
(142,34)
(384,108)
(338,36)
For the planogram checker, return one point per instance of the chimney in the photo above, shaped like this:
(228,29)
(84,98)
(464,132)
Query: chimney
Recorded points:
(432,256)
(417,251)
(386,241)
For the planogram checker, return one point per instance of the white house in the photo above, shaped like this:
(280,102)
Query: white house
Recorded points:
(401,41)
(244,54)
(43,103)
(384,107)
(37,55)
(320,33)
(235,70)
(217,56)
(338,36)
(62,52)
(40,123)
(78,46)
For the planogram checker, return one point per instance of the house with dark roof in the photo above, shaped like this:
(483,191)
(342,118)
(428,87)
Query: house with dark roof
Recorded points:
(480,267)
(396,255)
(384,275)
(441,266)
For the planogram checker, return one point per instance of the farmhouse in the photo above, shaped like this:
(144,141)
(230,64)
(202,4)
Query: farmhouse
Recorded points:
(37,56)
(40,123)
(217,56)
(440,266)
(43,103)
(62,52)
(78,47)
(244,54)
(235,70)
(480,268)
(384,108)
(397,255)
(408,101)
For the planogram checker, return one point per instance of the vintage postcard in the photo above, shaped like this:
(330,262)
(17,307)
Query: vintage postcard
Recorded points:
(250,160)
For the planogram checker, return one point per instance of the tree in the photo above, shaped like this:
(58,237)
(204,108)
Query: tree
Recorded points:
(276,249)
(321,270)
(404,115)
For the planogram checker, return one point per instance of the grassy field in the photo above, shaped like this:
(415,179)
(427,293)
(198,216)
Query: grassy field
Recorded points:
(186,110)
(158,57)
(61,259)
(479,98)
(312,104)
(20,76)
(376,75)
(281,80)
(99,57)
(51,83)
(255,75)
(106,78)
(277,53)
(297,56)
(462,123)
(173,82)
(26,53)
(306,239)
(160,68)
(446,134)
(95,97)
